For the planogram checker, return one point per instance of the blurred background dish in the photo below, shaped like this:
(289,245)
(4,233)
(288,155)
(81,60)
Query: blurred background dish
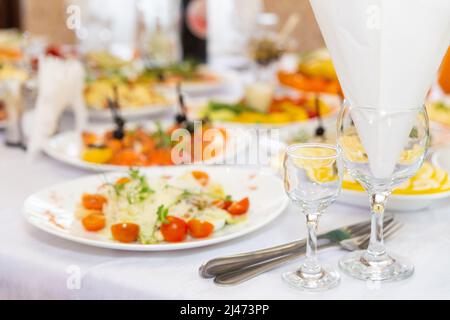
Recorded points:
(315,73)
(430,183)
(143,145)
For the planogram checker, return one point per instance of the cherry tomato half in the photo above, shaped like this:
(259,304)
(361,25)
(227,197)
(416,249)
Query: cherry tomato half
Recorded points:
(94,221)
(222,204)
(200,229)
(122,180)
(239,207)
(125,232)
(201,176)
(93,201)
(174,230)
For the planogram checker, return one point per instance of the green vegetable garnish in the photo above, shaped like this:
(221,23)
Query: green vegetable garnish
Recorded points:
(136,192)
(163,139)
(236,108)
(162,214)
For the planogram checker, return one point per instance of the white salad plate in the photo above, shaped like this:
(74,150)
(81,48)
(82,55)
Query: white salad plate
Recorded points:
(52,209)
(67,147)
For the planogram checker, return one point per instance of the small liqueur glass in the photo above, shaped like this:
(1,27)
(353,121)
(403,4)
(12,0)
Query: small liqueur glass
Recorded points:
(381,149)
(312,179)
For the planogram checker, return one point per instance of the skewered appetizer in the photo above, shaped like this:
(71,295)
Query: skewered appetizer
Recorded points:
(141,147)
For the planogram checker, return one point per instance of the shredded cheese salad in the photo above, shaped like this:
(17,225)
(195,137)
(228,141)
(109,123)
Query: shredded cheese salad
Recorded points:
(136,208)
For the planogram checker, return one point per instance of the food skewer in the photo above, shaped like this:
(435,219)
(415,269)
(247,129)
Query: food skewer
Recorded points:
(113,105)
(320,130)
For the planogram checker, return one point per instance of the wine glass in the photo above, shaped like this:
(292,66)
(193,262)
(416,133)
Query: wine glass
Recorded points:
(381,149)
(312,179)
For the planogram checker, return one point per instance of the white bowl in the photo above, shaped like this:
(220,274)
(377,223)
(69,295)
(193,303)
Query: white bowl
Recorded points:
(395,202)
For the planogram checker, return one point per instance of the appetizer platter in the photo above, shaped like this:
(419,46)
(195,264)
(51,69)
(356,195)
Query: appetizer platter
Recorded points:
(430,183)
(181,141)
(136,99)
(159,209)
(282,111)
(143,146)
(141,90)
(315,73)
(194,77)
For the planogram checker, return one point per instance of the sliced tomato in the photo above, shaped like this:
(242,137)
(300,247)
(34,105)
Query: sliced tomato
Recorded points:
(200,229)
(201,176)
(93,201)
(125,232)
(122,180)
(222,204)
(174,230)
(239,207)
(94,221)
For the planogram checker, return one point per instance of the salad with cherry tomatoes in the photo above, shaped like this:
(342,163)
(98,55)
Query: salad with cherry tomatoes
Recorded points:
(149,210)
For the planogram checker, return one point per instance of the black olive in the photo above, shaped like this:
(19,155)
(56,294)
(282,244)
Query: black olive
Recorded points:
(320,131)
(118,134)
(180,118)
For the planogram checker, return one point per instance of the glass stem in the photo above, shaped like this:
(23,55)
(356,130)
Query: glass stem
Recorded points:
(311,266)
(377,205)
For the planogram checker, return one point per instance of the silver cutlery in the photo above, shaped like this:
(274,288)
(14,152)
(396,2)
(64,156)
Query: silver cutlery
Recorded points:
(236,262)
(351,244)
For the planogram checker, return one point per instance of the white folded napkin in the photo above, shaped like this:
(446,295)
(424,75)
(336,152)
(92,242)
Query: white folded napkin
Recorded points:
(60,85)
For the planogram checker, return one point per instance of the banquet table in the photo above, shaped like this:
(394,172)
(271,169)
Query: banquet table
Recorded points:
(35,265)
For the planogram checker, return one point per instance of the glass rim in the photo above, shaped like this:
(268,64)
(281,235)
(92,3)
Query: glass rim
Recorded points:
(297,146)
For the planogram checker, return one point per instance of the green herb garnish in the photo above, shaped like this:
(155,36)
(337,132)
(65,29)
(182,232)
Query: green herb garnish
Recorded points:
(414,134)
(138,191)
(236,108)
(163,140)
(162,214)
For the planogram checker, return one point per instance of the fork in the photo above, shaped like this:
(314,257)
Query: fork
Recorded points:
(236,262)
(351,244)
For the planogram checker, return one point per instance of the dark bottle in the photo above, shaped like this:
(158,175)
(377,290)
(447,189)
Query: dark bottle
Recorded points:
(194,30)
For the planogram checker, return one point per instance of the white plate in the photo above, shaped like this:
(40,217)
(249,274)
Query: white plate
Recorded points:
(441,158)
(52,209)
(395,202)
(67,147)
(132,113)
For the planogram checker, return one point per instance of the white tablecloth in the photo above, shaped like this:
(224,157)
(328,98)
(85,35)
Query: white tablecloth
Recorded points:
(34,264)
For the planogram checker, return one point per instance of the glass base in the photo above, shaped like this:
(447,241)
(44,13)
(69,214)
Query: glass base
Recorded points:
(328,278)
(387,267)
